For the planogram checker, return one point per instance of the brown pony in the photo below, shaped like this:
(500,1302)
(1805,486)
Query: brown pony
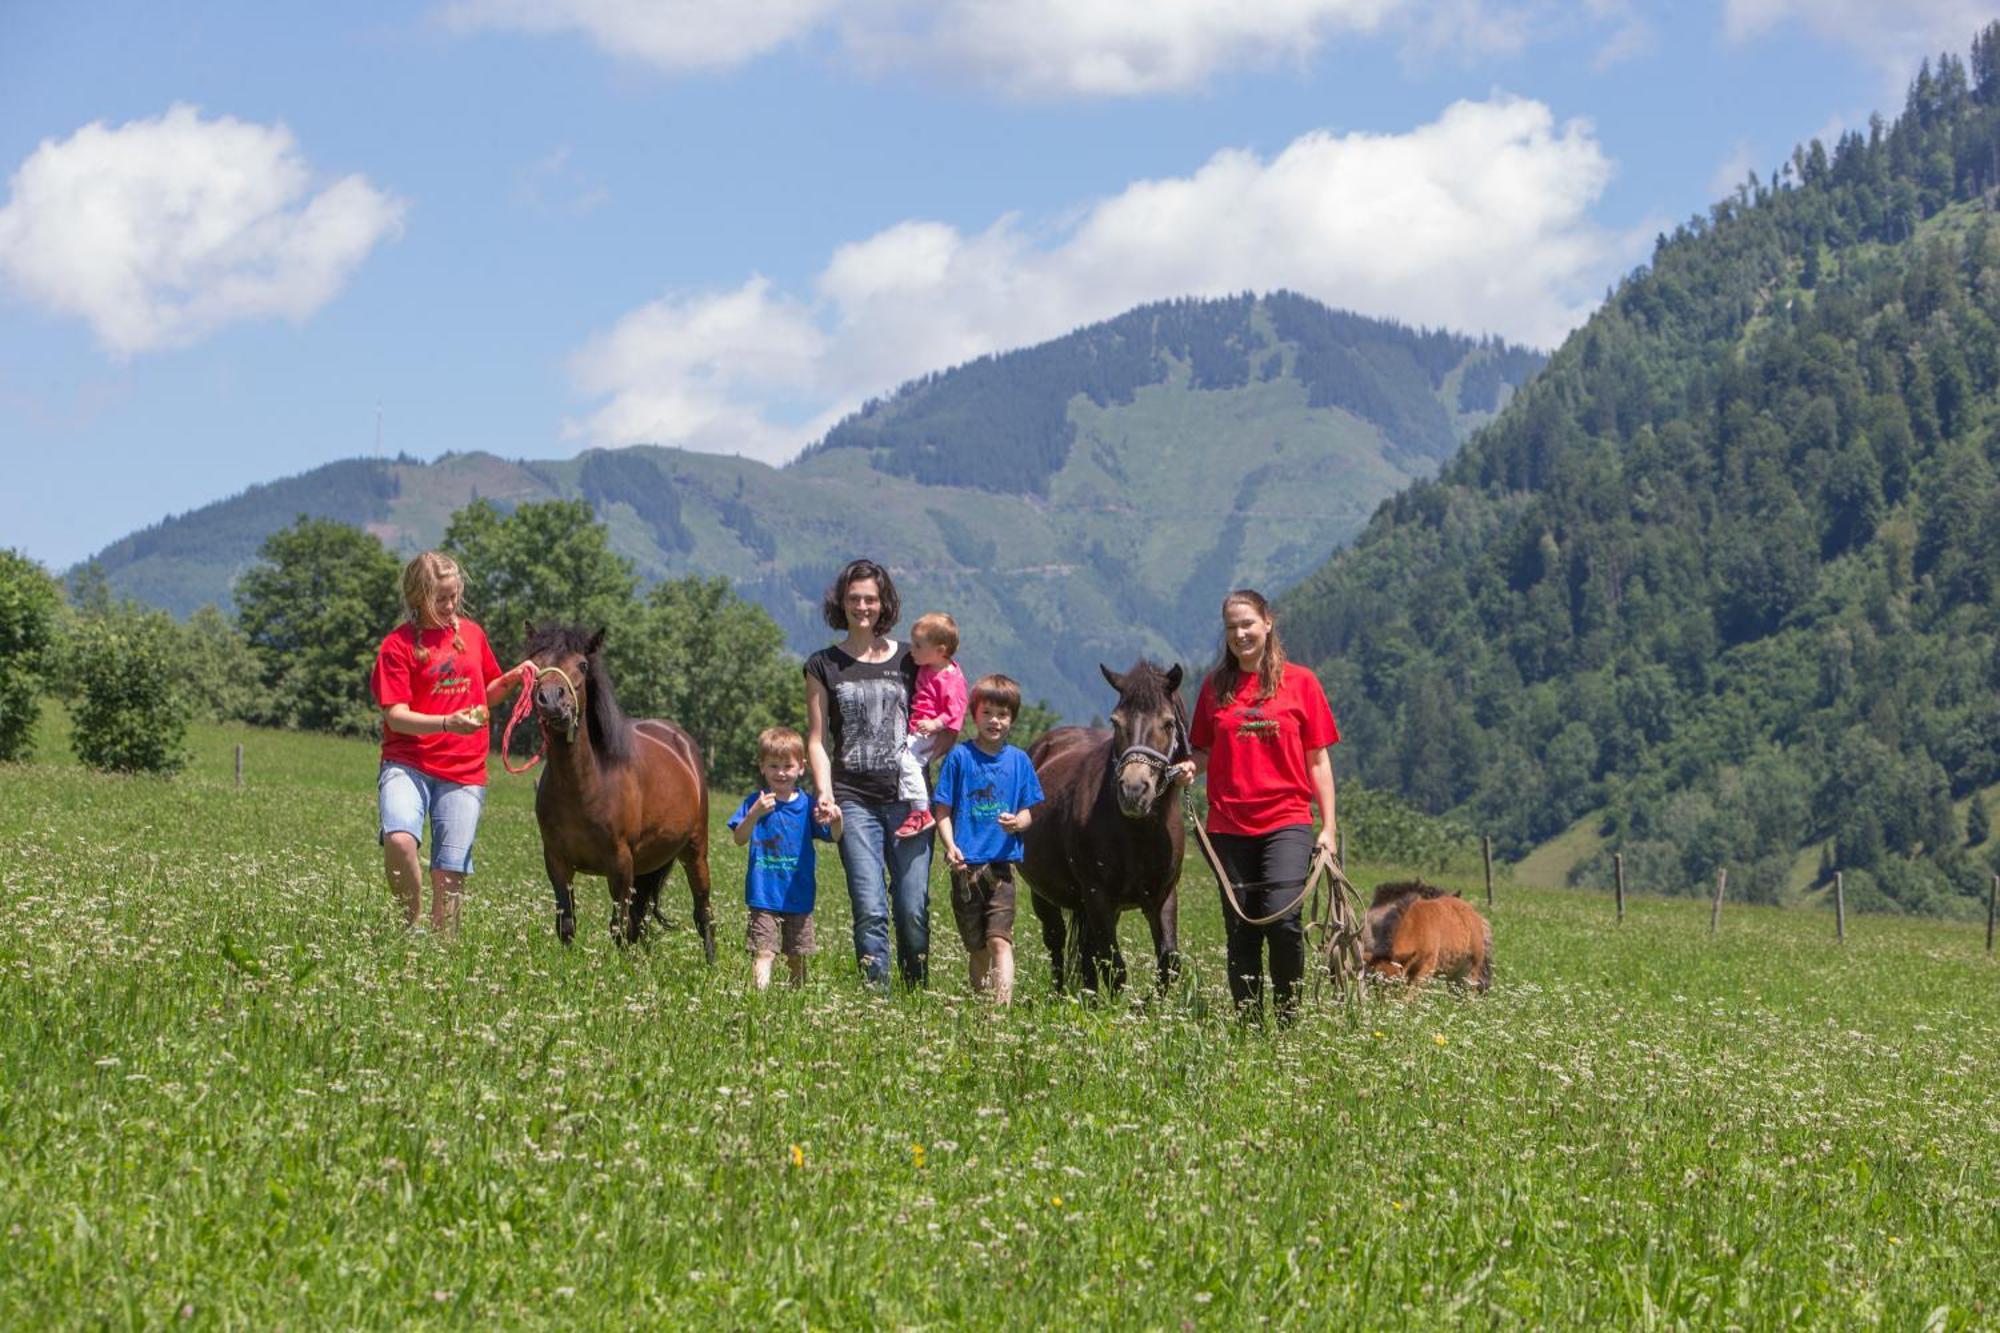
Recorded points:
(1415,930)
(621,798)
(1107,834)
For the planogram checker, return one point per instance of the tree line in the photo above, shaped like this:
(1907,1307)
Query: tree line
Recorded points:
(312,610)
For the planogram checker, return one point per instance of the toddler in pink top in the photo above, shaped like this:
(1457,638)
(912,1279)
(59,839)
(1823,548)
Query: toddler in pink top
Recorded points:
(937,714)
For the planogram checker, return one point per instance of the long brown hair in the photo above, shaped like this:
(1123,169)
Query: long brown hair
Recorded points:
(1228,677)
(422,578)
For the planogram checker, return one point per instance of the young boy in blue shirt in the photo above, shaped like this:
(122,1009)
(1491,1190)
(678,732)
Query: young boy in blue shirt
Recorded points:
(981,803)
(778,885)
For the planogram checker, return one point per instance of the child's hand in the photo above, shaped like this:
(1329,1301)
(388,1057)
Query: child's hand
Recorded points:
(827,811)
(765,803)
(1013,821)
(927,726)
(954,857)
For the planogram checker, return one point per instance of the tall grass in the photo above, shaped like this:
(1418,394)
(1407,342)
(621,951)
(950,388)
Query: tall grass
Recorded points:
(234,1093)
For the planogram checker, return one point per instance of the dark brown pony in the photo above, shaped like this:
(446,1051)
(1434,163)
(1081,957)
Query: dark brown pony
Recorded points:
(1416,930)
(620,798)
(1107,835)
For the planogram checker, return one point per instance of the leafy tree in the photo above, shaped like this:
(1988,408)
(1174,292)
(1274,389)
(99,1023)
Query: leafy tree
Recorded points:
(29,599)
(130,713)
(220,674)
(697,654)
(1978,820)
(1034,721)
(314,610)
(550,562)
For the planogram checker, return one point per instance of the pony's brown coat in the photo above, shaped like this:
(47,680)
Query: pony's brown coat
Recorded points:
(1416,931)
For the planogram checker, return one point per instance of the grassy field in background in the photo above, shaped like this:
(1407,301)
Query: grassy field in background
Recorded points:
(234,1094)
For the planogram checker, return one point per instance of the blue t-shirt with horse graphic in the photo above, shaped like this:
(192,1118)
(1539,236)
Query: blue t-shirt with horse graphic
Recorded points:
(979,788)
(779,877)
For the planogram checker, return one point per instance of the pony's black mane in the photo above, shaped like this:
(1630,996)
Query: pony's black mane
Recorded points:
(610,729)
(1409,888)
(1146,687)
(1386,911)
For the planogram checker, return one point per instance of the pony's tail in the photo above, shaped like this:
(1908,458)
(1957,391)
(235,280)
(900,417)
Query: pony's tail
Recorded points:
(1484,981)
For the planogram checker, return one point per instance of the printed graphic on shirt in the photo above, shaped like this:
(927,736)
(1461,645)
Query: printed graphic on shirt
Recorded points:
(1255,725)
(872,714)
(448,677)
(772,856)
(986,802)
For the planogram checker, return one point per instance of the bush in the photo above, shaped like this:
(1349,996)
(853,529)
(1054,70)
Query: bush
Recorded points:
(29,599)
(129,716)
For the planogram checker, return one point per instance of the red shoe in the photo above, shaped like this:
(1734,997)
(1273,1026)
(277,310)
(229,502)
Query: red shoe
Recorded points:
(919,821)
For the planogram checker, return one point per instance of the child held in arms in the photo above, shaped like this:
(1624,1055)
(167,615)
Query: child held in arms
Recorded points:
(776,823)
(937,714)
(984,792)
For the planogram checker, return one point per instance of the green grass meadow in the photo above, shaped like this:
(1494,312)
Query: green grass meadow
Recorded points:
(234,1093)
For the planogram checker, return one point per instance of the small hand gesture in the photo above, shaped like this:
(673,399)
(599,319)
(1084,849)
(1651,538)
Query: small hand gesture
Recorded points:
(765,803)
(1013,821)
(954,857)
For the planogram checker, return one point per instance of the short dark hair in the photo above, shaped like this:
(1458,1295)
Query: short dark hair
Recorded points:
(834,607)
(999,691)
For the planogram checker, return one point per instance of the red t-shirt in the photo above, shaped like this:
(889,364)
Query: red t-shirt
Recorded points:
(1258,778)
(444,683)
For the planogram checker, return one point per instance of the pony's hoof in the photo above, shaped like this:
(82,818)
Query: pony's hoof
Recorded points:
(565,927)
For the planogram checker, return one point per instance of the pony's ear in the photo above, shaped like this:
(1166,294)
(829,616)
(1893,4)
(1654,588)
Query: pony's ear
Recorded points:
(1173,677)
(1117,681)
(596,642)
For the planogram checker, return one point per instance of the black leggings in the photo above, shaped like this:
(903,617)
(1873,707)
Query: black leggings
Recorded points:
(1269,871)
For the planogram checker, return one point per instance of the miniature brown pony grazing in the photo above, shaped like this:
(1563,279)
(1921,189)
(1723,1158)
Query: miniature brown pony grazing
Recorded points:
(621,798)
(1107,835)
(1416,930)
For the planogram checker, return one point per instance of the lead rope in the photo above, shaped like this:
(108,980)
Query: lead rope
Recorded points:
(1336,917)
(523,705)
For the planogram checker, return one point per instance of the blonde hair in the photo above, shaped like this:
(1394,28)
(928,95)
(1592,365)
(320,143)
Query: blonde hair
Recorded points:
(422,578)
(780,743)
(938,630)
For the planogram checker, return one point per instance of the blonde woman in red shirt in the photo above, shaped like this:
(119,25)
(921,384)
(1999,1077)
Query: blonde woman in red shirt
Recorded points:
(435,680)
(1261,732)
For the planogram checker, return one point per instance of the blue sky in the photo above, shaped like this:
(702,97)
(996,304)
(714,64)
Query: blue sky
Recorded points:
(231,232)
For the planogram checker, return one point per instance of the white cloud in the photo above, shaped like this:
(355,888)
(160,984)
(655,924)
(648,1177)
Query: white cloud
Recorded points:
(160,231)
(1732,171)
(1095,48)
(1055,48)
(1894,34)
(671,34)
(1478,221)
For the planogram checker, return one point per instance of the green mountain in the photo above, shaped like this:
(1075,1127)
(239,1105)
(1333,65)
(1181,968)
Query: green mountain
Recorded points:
(1722,578)
(1075,502)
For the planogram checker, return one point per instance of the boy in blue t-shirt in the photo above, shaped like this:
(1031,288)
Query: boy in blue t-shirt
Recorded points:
(981,804)
(778,827)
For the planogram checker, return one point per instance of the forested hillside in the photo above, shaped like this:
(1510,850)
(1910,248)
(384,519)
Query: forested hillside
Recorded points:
(1077,502)
(1722,577)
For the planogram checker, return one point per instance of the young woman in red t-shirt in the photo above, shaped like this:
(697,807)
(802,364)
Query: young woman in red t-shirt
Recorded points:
(435,680)
(1261,731)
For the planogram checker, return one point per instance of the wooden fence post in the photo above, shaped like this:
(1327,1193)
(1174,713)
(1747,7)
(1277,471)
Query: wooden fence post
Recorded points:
(239,763)
(1992,896)
(1839,908)
(1715,908)
(1618,867)
(1486,851)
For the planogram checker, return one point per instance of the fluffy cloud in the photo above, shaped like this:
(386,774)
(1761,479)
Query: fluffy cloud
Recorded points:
(1091,48)
(1478,221)
(671,34)
(159,231)
(1896,34)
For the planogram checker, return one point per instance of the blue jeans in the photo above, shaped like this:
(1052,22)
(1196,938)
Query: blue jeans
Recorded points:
(406,800)
(885,872)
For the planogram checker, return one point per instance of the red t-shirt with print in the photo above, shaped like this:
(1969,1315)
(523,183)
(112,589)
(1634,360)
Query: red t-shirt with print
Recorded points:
(446,681)
(1258,778)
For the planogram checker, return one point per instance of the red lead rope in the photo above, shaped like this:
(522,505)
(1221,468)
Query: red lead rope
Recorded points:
(522,707)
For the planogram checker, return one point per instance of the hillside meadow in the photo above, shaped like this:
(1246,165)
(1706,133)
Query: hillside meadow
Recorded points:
(234,1094)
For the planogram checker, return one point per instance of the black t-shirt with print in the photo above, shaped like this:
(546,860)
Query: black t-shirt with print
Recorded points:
(867,716)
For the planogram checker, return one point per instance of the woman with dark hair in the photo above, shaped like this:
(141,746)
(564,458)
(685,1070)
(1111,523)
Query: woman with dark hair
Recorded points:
(857,712)
(1261,731)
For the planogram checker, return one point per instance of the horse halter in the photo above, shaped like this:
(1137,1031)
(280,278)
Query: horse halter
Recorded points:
(1154,759)
(569,687)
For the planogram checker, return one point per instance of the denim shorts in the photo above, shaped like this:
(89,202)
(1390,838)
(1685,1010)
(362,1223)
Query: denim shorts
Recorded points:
(407,798)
